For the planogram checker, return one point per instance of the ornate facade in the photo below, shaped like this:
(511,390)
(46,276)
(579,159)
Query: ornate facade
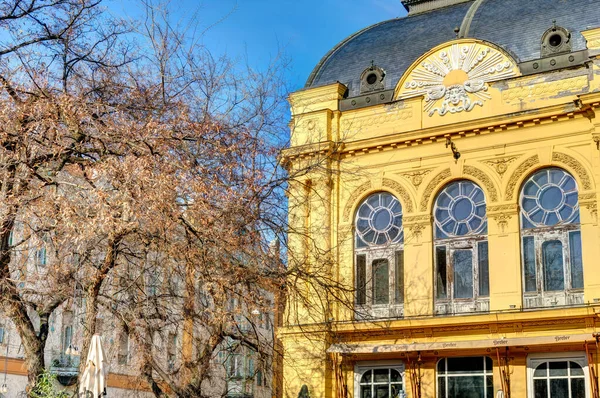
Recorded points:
(452,201)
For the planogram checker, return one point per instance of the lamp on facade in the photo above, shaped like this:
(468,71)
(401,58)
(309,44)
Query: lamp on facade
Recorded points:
(452,146)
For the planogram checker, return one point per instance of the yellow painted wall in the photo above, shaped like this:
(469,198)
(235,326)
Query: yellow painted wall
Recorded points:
(528,123)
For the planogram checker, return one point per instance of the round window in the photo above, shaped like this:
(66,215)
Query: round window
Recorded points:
(379,221)
(549,197)
(555,40)
(371,78)
(460,210)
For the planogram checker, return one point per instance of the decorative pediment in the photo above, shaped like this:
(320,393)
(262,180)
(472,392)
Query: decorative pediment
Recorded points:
(454,77)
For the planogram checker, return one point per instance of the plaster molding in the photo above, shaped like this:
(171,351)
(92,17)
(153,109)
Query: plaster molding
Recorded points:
(399,190)
(592,207)
(575,165)
(501,165)
(416,177)
(433,184)
(502,220)
(529,91)
(358,192)
(454,77)
(484,179)
(517,174)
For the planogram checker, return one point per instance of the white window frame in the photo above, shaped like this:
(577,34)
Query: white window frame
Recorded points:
(486,372)
(534,360)
(361,367)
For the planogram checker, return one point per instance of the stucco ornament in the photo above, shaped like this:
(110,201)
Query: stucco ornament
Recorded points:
(455,78)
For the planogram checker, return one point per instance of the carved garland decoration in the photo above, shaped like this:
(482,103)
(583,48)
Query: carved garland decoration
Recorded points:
(514,178)
(575,165)
(431,186)
(397,188)
(481,176)
(354,197)
(416,177)
(458,77)
(501,165)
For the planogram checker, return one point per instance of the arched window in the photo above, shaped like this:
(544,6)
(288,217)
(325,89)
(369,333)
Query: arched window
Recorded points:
(551,239)
(564,379)
(461,249)
(381,383)
(379,239)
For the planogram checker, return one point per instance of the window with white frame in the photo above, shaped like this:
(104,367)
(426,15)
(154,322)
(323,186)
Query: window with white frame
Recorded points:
(561,375)
(462,377)
(385,381)
(379,255)
(461,249)
(551,239)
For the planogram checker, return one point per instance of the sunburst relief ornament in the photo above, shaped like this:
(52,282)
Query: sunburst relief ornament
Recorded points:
(458,76)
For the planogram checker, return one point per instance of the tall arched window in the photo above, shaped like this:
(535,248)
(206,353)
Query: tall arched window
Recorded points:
(379,240)
(551,239)
(461,249)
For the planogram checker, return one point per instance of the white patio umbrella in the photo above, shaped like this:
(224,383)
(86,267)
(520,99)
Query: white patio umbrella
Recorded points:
(93,381)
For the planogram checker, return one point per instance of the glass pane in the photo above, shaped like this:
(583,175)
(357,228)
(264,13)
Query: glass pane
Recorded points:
(540,388)
(381,375)
(576,262)
(529,263)
(466,386)
(541,370)
(399,285)
(578,388)
(441,366)
(441,280)
(463,274)
(554,276)
(558,369)
(575,369)
(462,209)
(489,366)
(489,386)
(366,377)
(441,387)
(396,388)
(365,391)
(395,375)
(484,270)
(381,391)
(361,279)
(381,283)
(465,365)
(559,388)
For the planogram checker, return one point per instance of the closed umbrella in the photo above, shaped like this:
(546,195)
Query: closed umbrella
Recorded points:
(93,381)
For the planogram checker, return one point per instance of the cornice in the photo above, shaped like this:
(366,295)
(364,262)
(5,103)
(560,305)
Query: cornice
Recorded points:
(499,123)
(512,319)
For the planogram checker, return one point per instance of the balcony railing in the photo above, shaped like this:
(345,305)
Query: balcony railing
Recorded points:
(65,367)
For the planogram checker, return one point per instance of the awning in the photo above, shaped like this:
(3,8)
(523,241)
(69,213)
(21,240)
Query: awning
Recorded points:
(370,348)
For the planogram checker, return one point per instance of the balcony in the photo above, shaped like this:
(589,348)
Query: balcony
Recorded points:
(553,299)
(366,312)
(65,367)
(462,306)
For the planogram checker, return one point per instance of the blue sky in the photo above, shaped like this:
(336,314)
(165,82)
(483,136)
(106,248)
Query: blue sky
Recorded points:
(304,30)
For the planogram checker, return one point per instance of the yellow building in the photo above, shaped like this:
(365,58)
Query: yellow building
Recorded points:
(444,206)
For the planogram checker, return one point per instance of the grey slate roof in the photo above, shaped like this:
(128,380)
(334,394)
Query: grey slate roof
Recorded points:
(514,25)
